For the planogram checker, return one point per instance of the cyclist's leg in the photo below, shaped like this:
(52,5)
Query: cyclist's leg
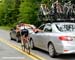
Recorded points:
(28,44)
(22,39)
(28,47)
(25,42)
(22,44)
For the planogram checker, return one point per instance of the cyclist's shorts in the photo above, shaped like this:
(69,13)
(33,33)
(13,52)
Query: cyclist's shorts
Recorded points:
(24,32)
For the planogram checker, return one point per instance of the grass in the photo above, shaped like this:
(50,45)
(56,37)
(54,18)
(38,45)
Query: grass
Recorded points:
(5,27)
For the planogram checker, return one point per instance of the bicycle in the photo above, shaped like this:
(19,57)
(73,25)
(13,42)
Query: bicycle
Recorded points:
(26,45)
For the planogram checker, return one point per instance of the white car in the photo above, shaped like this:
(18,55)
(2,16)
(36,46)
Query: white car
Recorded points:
(56,38)
(16,36)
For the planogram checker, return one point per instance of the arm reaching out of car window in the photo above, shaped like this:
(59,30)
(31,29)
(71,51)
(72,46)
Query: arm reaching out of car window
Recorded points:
(38,30)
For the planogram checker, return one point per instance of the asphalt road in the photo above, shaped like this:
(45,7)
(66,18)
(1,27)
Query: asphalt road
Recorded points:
(8,50)
(8,53)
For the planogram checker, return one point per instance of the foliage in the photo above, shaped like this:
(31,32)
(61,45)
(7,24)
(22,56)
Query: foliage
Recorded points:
(9,12)
(5,28)
(28,11)
(13,11)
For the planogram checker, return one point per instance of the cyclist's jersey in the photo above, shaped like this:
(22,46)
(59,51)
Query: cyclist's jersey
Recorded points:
(25,32)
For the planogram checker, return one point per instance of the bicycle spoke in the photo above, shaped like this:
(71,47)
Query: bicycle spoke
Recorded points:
(26,46)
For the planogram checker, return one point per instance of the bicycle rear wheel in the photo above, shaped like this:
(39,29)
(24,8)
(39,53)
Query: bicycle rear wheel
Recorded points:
(29,49)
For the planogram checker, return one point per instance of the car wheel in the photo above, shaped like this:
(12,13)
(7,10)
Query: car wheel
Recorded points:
(51,50)
(31,44)
(17,39)
(11,37)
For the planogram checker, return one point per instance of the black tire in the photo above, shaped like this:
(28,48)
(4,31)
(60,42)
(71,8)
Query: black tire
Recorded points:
(17,39)
(51,50)
(31,44)
(11,37)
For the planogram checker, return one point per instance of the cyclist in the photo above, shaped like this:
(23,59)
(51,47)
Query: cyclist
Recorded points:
(24,34)
(24,38)
(21,27)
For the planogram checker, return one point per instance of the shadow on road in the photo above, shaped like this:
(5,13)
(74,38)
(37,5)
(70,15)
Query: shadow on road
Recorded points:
(41,51)
(67,56)
(61,57)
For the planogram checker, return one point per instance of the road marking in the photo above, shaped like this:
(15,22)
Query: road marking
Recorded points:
(31,55)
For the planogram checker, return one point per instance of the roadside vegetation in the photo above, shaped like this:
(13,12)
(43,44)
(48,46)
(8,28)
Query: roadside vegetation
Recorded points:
(13,11)
(5,28)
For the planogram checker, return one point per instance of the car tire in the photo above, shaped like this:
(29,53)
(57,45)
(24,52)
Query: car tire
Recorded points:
(11,37)
(17,39)
(51,50)
(31,44)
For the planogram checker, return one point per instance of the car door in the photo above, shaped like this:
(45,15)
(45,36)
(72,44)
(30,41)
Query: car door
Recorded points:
(38,36)
(44,36)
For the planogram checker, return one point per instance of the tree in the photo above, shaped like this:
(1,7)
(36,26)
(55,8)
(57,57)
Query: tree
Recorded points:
(28,11)
(9,11)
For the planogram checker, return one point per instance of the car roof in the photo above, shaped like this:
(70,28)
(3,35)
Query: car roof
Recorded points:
(61,23)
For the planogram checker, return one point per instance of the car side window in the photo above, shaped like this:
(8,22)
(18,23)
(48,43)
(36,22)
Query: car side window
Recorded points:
(41,27)
(48,29)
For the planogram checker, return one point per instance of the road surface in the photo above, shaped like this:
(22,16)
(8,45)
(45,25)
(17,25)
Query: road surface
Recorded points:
(11,50)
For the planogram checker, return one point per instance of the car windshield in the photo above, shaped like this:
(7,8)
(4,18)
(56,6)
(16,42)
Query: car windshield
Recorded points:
(66,27)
